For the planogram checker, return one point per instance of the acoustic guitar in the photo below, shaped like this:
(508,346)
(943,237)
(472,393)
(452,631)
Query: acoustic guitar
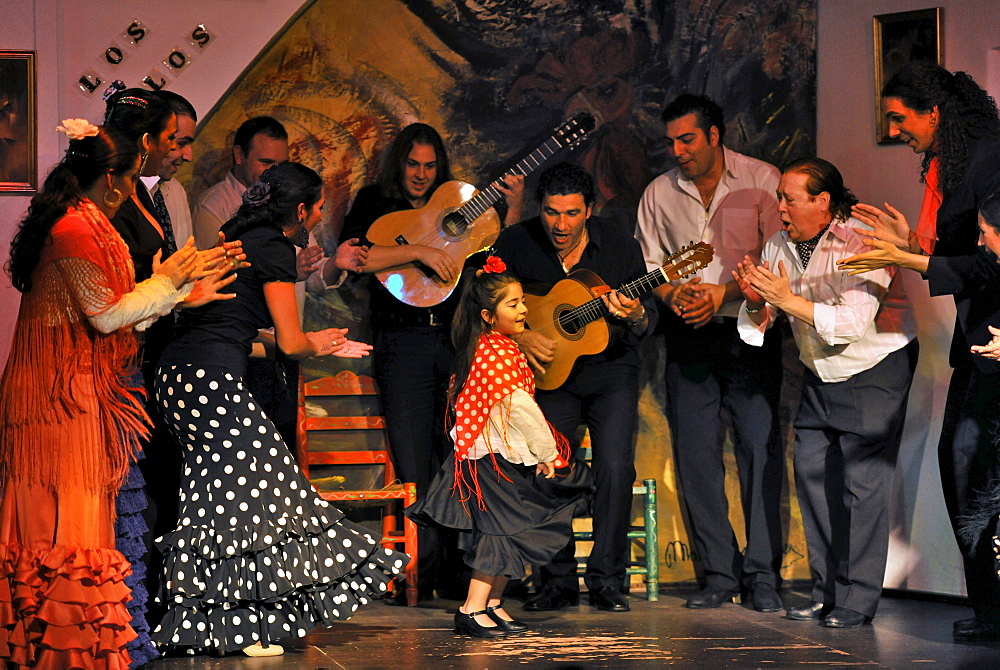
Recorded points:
(457,220)
(572,312)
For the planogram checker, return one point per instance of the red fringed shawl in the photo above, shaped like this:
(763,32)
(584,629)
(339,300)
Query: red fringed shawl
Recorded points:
(498,369)
(60,368)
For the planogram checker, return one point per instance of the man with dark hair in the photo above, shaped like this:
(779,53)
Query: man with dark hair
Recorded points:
(603,390)
(171,206)
(260,142)
(412,349)
(718,196)
(857,338)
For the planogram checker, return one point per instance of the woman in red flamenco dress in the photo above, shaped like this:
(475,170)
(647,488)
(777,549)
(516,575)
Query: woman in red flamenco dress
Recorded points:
(69,423)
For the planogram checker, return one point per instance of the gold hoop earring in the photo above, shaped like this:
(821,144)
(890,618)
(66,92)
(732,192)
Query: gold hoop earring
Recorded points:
(119,198)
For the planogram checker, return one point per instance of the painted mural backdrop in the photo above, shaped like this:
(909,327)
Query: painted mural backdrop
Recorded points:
(495,76)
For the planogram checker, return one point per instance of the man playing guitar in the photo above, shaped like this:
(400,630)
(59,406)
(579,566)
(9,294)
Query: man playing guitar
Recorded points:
(603,389)
(412,348)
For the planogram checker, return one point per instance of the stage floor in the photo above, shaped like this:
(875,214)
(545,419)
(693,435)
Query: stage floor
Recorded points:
(906,633)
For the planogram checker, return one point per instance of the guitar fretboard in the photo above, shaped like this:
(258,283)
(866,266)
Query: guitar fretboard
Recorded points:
(489,196)
(680,264)
(578,317)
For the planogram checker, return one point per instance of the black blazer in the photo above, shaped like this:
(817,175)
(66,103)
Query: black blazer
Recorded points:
(959,267)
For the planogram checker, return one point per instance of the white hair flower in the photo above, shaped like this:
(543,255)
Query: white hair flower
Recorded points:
(77,129)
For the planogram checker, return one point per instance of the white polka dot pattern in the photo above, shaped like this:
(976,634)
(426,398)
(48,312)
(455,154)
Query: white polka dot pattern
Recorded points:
(257,554)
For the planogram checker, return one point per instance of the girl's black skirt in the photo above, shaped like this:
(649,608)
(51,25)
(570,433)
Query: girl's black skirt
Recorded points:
(525,519)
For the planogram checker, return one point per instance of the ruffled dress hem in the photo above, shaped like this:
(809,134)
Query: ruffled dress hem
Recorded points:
(64,607)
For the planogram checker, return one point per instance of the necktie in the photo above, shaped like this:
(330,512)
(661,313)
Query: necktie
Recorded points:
(163,216)
(807,248)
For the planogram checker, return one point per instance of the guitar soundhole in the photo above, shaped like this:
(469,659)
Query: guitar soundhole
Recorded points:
(454,226)
(569,327)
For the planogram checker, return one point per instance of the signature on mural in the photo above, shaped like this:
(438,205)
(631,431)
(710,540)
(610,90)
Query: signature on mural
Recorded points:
(678,552)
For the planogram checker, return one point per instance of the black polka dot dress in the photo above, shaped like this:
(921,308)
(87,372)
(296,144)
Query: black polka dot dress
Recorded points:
(257,555)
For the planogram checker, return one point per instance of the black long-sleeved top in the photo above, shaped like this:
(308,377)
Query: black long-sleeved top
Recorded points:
(611,252)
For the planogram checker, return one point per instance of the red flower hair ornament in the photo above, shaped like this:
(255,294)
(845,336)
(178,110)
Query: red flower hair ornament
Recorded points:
(494,264)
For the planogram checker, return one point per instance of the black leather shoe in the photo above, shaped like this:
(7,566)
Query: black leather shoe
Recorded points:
(765,598)
(551,598)
(814,611)
(509,626)
(841,617)
(609,599)
(978,631)
(465,624)
(710,598)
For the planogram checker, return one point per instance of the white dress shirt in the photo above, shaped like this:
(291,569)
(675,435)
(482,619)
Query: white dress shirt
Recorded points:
(216,206)
(742,215)
(859,320)
(176,200)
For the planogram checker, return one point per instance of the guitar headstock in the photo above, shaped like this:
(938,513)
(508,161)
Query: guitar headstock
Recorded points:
(687,260)
(574,129)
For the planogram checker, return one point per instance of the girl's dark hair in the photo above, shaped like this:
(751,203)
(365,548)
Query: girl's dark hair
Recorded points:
(822,175)
(274,200)
(965,110)
(483,290)
(990,210)
(136,111)
(86,161)
(391,180)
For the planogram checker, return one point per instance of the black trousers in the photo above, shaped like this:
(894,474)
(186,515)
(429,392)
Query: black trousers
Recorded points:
(846,441)
(709,370)
(968,458)
(605,397)
(412,368)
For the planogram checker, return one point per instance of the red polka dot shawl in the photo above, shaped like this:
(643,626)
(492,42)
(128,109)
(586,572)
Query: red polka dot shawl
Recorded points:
(498,369)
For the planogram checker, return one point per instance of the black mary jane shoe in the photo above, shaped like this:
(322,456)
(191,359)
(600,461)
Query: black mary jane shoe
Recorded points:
(509,626)
(465,624)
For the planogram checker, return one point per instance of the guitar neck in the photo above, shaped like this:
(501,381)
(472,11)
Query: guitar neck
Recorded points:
(594,309)
(489,196)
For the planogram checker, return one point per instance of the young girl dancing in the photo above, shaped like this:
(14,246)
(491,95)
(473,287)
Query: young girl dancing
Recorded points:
(516,516)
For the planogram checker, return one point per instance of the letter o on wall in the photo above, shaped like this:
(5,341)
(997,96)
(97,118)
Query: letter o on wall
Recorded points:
(114,55)
(176,59)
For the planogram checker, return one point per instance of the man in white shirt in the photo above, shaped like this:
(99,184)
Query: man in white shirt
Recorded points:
(857,338)
(259,143)
(724,198)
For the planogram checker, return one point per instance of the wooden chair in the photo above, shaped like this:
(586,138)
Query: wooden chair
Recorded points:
(645,535)
(347,386)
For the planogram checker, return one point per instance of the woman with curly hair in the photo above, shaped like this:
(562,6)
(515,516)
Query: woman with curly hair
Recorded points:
(70,421)
(256,554)
(954,124)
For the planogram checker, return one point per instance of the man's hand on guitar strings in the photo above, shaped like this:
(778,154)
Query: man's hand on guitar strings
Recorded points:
(438,261)
(621,307)
(512,187)
(537,348)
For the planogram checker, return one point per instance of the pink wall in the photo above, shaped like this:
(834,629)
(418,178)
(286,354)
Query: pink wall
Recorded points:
(70,38)
(923,554)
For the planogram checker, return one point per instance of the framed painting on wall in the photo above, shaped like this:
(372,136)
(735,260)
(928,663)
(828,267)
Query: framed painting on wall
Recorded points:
(900,39)
(18,116)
